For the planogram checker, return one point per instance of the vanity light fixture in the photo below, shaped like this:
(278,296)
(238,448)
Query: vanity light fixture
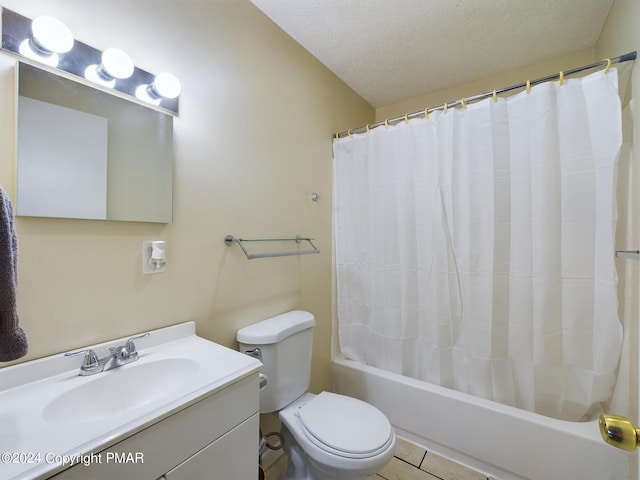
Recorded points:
(114,65)
(49,38)
(48,41)
(165,85)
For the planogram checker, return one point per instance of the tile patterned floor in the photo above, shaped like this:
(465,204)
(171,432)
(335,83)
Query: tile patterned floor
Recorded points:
(411,462)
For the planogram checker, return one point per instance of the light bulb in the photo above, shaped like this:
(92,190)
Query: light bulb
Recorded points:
(49,38)
(50,35)
(27,50)
(142,93)
(165,85)
(91,73)
(115,64)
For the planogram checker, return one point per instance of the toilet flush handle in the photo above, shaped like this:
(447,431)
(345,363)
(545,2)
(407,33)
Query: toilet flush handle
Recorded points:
(256,352)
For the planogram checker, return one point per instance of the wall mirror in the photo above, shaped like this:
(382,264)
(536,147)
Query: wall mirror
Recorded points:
(84,153)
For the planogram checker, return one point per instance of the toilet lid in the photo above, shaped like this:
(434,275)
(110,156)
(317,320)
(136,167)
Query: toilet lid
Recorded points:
(347,426)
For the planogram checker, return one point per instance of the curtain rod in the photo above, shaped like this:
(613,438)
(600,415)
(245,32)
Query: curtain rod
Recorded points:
(464,101)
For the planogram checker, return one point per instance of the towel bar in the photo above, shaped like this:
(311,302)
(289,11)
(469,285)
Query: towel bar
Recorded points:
(628,254)
(230,239)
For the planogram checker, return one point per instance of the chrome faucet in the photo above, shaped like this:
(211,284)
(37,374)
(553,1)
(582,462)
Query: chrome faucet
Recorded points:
(117,357)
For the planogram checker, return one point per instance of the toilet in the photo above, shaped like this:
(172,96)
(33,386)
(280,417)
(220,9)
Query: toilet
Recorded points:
(326,436)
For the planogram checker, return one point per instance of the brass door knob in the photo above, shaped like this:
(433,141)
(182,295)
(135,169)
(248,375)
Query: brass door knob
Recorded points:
(619,432)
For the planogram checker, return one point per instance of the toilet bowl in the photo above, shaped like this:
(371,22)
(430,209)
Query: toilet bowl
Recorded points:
(334,437)
(326,436)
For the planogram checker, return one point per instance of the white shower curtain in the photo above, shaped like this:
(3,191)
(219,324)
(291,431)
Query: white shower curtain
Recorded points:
(475,248)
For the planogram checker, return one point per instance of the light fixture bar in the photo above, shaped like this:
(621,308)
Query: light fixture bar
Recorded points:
(17,29)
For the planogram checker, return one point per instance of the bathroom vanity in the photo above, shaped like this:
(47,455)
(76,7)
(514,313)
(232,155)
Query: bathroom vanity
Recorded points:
(186,409)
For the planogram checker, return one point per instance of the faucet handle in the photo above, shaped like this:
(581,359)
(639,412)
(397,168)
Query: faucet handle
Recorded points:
(130,346)
(90,358)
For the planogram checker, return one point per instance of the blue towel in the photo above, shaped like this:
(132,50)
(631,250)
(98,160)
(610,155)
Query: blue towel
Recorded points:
(13,340)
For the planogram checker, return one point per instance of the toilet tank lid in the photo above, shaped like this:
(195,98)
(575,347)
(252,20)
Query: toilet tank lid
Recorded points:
(276,328)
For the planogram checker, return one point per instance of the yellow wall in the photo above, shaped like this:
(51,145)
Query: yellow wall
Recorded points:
(495,82)
(252,142)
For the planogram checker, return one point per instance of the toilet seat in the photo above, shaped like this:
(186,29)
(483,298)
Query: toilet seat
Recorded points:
(345,426)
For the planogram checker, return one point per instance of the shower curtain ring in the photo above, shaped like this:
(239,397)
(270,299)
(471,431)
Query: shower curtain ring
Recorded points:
(606,70)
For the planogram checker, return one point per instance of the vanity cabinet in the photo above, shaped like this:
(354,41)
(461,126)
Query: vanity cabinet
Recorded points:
(214,438)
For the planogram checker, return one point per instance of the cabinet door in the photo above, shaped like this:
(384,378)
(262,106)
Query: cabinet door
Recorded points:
(234,456)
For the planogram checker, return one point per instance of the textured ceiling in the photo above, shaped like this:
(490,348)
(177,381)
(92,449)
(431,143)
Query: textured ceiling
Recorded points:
(393,50)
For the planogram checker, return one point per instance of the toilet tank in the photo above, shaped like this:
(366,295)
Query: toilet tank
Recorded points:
(285,342)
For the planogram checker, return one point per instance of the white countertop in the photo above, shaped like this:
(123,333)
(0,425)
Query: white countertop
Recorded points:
(33,445)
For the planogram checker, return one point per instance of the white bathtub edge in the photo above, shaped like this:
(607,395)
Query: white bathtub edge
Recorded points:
(500,441)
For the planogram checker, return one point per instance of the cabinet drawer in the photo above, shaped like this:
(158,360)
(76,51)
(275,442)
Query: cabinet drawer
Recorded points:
(152,452)
(234,456)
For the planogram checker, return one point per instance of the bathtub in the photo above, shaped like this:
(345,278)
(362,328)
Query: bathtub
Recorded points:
(501,441)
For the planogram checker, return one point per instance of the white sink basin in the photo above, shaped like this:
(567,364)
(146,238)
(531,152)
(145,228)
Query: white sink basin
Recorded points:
(121,390)
(49,413)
